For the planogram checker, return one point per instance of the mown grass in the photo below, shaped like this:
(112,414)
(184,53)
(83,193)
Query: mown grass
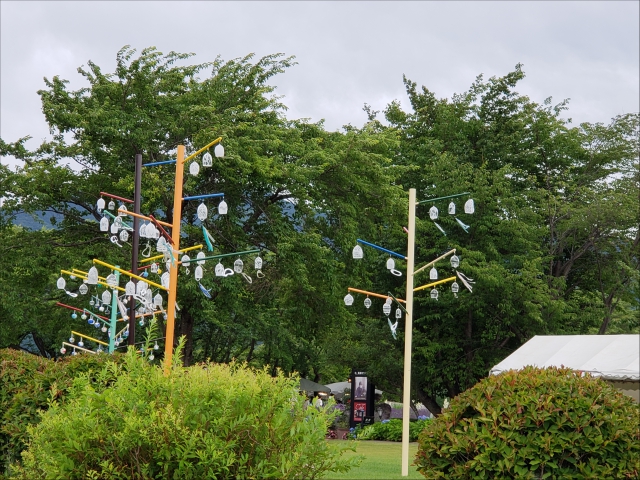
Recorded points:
(383,460)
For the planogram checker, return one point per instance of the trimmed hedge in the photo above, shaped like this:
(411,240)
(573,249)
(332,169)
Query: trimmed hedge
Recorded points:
(28,383)
(200,422)
(391,430)
(534,423)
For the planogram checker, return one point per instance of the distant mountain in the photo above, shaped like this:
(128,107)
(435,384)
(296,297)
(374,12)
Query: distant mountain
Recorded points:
(36,220)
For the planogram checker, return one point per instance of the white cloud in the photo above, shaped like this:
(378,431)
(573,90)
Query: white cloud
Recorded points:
(349,53)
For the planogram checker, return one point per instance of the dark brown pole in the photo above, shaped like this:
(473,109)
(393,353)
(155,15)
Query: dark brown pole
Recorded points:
(134,249)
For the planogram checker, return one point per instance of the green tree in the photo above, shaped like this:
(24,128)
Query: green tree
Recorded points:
(294,190)
(548,208)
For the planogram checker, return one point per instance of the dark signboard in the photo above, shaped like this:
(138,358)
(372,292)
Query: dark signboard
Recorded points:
(362,399)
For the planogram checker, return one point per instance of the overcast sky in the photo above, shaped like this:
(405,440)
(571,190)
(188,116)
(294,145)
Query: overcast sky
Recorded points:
(348,53)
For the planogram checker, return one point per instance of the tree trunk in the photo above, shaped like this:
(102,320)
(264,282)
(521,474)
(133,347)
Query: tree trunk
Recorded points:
(430,403)
(40,344)
(251,348)
(609,307)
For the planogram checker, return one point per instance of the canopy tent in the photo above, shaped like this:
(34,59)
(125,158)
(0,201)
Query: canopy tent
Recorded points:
(615,358)
(612,357)
(309,386)
(338,389)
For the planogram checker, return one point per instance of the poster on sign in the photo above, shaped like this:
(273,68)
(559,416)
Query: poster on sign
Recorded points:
(359,411)
(360,392)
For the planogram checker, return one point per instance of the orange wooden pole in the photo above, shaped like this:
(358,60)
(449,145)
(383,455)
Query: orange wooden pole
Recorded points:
(173,271)
(355,290)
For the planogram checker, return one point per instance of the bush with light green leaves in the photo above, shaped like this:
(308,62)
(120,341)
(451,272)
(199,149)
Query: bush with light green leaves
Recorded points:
(391,430)
(28,384)
(202,422)
(534,423)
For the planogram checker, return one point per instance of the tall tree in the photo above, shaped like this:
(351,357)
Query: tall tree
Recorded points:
(547,200)
(294,190)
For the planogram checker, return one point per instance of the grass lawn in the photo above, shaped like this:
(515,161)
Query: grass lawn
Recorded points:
(383,460)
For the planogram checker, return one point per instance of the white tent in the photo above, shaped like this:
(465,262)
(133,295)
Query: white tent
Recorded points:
(338,389)
(615,358)
(310,387)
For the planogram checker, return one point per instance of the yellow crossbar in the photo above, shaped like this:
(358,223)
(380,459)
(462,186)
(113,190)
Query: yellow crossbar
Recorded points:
(84,278)
(88,338)
(434,284)
(113,267)
(79,348)
(188,249)
(217,140)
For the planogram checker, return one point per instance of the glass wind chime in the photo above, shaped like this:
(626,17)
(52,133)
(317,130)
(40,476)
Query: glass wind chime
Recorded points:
(469,208)
(119,229)
(357,253)
(194,169)
(386,309)
(455,287)
(104,303)
(219,270)
(202,213)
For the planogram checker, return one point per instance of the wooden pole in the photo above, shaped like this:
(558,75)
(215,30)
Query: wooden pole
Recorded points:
(173,271)
(134,245)
(408,330)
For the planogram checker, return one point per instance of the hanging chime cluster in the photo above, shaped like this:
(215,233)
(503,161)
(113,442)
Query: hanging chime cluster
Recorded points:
(469,208)
(358,253)
(386,309)
(104,302)
(147,304)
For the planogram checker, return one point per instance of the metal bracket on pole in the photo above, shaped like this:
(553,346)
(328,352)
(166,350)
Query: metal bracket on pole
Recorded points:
(397,300)
(442,198)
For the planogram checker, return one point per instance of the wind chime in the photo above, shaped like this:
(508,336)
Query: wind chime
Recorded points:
(469,208)
(358,253)
(433,275)
(386,308)
(147,304)
(202,213)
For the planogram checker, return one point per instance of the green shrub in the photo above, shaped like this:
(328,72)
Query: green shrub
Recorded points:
(27,384)
(205,421)
(391,430)
(534,423)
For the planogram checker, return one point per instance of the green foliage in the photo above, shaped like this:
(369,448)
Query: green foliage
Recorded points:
(391,431)
(28,386)
(30,263)
(534,423)
(296,191)
(552,245)
(206,421)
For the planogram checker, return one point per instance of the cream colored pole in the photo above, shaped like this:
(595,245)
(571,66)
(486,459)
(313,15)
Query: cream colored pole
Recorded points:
(173,272)
(408,330)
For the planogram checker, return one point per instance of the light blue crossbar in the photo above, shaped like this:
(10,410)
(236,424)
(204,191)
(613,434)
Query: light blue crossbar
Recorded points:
(154,164)
(382,249)
(442,198)
(209,195)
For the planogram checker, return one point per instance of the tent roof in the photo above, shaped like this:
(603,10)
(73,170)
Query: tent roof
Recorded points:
(309,386)
(612,357)
(338,388)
